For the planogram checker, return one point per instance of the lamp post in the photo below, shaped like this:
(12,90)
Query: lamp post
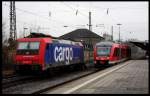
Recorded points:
(24,31)
(119,31)
(119,41)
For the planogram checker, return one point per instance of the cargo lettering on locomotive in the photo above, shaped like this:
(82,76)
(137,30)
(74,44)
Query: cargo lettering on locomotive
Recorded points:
(63,54)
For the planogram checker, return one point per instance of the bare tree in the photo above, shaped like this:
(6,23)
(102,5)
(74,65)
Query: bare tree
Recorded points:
(4,44)
(4,34)
(7,54)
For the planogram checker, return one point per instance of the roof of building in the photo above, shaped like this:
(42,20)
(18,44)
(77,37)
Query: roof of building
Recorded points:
(105,43)
(80,33)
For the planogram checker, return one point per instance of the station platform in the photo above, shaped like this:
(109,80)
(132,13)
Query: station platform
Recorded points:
(130,79)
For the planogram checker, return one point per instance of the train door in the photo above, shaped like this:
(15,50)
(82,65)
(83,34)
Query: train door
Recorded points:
(116,53)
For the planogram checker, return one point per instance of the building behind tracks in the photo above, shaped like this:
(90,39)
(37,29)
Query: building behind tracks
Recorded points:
(87,37)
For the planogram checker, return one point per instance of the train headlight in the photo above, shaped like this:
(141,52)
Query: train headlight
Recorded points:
(97,57)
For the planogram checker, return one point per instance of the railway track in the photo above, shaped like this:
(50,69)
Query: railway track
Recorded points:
(91,81)
(15,80)
(42,91)
(36,86)
(10,76)
(67,81)
(40,86)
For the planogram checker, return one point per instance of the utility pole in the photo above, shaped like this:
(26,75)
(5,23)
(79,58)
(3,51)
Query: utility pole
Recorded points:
(112,33)
(90,28)
(119,31)
(13,34)
(24,32)
(119,41)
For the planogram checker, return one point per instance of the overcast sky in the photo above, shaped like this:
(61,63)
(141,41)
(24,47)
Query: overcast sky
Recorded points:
(50,17)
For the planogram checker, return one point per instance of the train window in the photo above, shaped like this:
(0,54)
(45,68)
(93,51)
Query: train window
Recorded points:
(28,45)
(22,45)
(28,48)
(103,51)
(116,52)
(34,45)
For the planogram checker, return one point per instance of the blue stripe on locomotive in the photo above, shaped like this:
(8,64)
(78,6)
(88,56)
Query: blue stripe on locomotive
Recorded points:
(58,55)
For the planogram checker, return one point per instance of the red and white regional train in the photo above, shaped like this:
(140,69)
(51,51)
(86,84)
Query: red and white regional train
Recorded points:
(106,53)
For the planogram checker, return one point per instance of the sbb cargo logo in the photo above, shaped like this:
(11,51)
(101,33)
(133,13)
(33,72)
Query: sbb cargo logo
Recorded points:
(63,54)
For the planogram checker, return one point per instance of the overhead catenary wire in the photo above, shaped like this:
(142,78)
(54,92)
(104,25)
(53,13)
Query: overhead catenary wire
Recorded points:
(74,9)
(80,12)
(36,15)
(77,11)
(21,22)
(95,20)
(48,18)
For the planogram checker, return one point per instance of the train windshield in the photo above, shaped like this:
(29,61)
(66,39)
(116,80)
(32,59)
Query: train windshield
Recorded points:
(103,51)
(28,48)
(28,45)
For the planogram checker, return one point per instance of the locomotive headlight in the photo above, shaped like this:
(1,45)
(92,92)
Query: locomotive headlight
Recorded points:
(107,57)
(97,57)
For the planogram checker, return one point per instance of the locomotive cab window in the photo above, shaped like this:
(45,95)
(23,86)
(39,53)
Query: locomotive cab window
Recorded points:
(34,45)
(28,48)
(22,45)
(103,51)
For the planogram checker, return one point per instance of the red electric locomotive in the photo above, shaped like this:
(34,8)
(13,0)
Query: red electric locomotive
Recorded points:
(30,54)
(43,54)
(107,52)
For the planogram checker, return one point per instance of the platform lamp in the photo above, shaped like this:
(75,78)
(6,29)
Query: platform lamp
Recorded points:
(119,41)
